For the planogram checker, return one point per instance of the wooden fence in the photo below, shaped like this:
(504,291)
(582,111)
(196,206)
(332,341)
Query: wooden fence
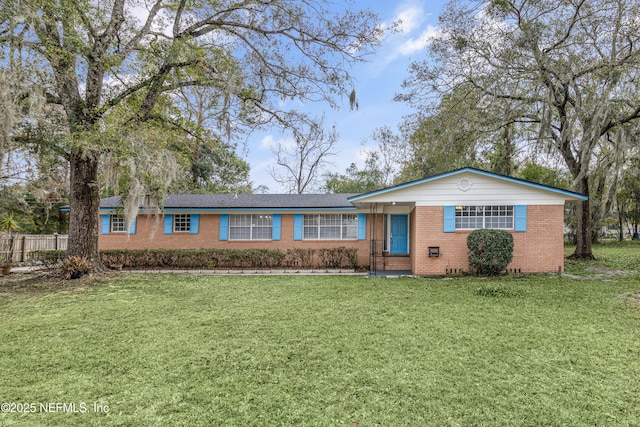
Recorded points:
(24,244)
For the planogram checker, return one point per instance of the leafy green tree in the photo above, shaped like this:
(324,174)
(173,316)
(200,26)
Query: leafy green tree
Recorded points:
(9,226)
(628,202)
(433,150)
(213,164)
(33,178)
(37,210)
(354,180)
(535,172)
(113,68)
(463,128)
(215,168)
(384,160)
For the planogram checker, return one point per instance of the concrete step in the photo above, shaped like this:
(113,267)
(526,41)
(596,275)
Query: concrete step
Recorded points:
(397,263)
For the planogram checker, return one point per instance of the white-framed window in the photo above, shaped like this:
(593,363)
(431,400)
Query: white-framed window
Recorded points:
(181,223)
(474,217)
(250,227)
(330,227)
(118,224)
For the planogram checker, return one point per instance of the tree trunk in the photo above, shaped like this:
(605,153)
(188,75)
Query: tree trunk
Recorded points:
(508,150)
(583,227)
(84,203)
(620,225)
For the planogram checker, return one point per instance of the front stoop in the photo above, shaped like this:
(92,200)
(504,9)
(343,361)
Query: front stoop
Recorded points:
(397,262)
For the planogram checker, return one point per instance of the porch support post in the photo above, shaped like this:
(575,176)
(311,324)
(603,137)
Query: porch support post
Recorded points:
(373,243)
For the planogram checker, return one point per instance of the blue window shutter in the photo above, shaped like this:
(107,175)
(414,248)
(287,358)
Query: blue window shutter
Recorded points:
(132,228)
(106,224)
(194,223)
(276,226)
(297,226)
(224,227)
(520,214)
(449,219)
(362,226)
(168,224)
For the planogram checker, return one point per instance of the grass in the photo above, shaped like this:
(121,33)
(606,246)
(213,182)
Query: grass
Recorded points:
(255,351)
(613,255)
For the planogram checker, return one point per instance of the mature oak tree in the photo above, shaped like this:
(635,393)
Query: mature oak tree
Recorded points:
(117,61)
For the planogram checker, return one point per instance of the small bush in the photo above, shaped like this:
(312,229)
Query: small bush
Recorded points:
(213,258)
(48,259)
(74,267)
(300,257)
(193,258)
(263,258)
(351,257)
(338,257)
(490,251)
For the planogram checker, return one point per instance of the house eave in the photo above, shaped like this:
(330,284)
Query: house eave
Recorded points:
(568,195)
(240,209)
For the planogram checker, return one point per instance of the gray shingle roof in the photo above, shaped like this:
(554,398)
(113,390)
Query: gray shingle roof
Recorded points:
(247,201)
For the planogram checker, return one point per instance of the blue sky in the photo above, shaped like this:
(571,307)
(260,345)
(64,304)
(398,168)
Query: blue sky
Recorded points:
(376,83)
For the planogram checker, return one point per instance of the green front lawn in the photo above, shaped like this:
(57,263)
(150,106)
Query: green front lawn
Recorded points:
(262,351)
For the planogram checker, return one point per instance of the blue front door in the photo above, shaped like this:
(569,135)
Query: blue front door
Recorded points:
(399,235)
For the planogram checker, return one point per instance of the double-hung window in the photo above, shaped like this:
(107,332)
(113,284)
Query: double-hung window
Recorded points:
(181,223)
(250,227)
(474,217)
(330,227)
(118,224)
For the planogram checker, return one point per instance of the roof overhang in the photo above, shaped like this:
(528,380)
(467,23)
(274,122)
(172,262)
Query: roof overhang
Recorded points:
(389,195)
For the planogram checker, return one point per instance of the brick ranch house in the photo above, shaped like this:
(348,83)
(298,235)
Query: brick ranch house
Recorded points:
(421,226)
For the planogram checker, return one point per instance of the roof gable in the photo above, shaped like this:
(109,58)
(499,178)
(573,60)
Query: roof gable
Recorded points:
(471,185)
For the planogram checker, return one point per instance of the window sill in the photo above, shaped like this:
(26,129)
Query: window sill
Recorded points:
(469,230)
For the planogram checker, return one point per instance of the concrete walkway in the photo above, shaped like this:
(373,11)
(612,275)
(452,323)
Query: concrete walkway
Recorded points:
(252,272)
(391,273)
(247,272)
(26,269)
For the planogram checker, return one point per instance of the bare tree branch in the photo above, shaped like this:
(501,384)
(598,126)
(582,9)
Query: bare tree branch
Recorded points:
(304,159)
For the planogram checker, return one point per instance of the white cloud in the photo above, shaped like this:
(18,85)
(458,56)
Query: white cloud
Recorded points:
(419,43)
(416,27)
(410,18)
(269,142)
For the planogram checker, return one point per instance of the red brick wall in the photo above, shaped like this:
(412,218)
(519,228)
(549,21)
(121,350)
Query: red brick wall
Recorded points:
(209,238)
(539,249)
